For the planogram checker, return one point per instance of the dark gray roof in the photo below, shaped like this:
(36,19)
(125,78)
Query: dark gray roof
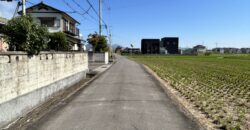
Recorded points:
(42,4)
(199,47)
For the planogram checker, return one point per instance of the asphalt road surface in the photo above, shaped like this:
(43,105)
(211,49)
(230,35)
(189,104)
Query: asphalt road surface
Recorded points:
(126,97)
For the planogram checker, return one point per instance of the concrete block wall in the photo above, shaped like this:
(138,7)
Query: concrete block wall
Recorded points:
(99,58)
(25,81)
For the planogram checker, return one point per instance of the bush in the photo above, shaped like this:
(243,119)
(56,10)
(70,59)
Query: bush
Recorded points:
(58,42)
(98,42)
(22,34)
(208,53)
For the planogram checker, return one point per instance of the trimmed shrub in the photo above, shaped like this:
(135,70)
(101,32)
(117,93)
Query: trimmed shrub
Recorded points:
(22,34)
(58,42)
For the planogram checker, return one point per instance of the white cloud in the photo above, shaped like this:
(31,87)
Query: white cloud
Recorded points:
(7,9)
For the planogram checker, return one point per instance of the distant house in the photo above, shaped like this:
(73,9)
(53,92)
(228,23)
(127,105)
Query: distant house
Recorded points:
(89,48)
(131,50)
(3,44)
(238,51)
(231,50)
(245,50)
(56,21)
(199,49)
(118,50)
(219,50)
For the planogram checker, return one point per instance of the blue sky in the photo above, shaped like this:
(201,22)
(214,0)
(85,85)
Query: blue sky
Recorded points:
(206,22)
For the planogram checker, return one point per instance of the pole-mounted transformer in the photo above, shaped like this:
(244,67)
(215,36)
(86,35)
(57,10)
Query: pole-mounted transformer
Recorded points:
(23,5)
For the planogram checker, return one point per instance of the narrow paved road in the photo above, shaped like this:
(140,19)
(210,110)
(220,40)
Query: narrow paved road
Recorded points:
(124,98)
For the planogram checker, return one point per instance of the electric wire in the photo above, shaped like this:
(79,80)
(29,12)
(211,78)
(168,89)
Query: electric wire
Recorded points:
(17,8)
(106,26)
(85,11)
(77,12)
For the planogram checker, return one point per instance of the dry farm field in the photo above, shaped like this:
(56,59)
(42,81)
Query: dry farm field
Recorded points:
(218,86)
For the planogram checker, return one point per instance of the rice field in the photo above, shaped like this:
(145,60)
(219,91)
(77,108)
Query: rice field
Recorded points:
(218,86)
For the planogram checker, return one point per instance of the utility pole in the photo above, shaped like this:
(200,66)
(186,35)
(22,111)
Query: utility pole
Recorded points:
(24,7)
(100,17)
(131,52)
(110,41)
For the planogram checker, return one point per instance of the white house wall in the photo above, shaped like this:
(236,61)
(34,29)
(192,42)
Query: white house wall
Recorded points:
(58,22)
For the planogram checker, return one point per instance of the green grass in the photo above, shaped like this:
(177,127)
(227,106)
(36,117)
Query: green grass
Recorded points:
(218,85)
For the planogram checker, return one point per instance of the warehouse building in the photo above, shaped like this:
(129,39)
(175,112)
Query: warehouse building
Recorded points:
(167,45)
(150,46)
(171,44)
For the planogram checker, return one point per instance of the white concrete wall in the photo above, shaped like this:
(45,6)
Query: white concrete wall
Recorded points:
(106,57)
(25,82)
(99,58)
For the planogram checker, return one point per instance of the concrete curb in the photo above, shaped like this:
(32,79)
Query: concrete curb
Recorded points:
(26,121)
(187,107)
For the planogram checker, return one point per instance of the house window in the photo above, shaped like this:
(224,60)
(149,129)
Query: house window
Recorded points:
(57,23)
(65,25)
(71,28)
(49,22)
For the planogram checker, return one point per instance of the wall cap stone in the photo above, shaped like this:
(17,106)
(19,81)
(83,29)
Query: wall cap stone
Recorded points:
(43,52)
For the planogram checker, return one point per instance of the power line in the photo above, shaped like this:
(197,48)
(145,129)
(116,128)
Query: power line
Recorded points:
(106,26)
(17,8)
(30,2)
(34,4)
(108,7)
(100,17)
(65,2)
(85,11)
(73,10)
(77,12)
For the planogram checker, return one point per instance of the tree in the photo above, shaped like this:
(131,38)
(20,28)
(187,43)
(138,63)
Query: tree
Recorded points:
(58,42)
(22,34)
(98,42)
